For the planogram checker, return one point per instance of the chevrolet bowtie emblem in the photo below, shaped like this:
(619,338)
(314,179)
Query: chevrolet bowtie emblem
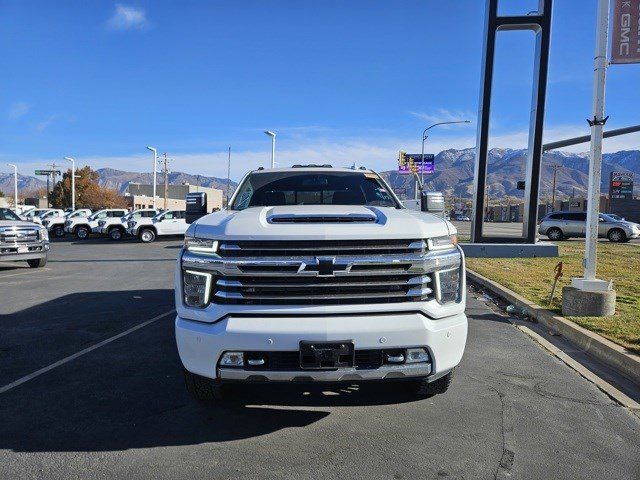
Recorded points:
(324,266)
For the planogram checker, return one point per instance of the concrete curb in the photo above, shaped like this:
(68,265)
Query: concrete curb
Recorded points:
(612,354)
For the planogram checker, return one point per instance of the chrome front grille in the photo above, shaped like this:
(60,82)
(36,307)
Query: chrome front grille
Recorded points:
(321,272)
(17,235)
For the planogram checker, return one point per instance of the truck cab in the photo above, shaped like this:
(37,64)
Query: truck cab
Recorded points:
(319,274)
(22,241)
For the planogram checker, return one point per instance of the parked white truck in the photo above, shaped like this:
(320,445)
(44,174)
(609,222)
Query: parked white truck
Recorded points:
(22,241)
(82,227)
(319,274)
(115,228)
(167,223)
(55,225)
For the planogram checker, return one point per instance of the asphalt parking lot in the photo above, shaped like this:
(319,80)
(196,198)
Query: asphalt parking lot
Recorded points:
(121,410)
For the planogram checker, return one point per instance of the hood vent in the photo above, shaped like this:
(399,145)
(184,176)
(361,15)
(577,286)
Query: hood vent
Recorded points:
(353,218)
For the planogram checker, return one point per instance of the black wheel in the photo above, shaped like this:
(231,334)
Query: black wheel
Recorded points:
(147,235)
(617,235)
(37,262)
(423,388)
(82,233)
(115,233)
(203,389)
(58,231)
(555,234)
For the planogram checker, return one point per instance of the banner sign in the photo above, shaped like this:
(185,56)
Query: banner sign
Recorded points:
(621,185)
(625,39)
(412,162)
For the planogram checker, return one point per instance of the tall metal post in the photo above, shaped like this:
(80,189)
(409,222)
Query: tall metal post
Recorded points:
(228,175)
(155,172)
(15,185)
(73,182)
(589,282)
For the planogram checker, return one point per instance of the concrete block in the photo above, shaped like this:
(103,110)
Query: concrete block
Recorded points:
(581,303)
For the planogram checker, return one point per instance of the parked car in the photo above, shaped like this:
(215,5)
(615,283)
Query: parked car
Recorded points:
(82,227)
(169,222)
(30,214)
(116,228)
(319,274)
(22,241)
(461,218)
(562,225)
(55,225)
(47,215)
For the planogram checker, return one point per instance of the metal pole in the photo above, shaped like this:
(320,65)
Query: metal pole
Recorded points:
(228,175)
(15,185)
(155,173)
(425,136)
(553,191)
(597,124)
(73,182)
(273,151)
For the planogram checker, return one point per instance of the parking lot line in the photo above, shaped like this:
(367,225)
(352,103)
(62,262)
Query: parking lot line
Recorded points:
(48,368)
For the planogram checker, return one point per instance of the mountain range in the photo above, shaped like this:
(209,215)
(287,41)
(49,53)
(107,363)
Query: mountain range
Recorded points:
(453,174)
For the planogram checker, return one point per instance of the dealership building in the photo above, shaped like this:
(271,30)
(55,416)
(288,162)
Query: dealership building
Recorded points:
(141,196)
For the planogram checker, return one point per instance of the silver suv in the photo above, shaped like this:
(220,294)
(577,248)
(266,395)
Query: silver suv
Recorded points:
(563,225)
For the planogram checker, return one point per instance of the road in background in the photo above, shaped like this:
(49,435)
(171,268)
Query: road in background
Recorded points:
(121,411)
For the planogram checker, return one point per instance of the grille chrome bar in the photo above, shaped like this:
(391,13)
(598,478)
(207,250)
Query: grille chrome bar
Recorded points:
(14,235)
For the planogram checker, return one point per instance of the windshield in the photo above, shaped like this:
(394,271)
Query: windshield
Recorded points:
(261,189)
(613,216)
(6,214)
(97,215)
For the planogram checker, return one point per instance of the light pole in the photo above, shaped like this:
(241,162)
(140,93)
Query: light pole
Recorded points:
(424,137)
(273,147)
(155,170)
(15,185)
(73,182)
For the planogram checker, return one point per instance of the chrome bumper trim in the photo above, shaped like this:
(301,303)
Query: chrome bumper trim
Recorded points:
(340,375)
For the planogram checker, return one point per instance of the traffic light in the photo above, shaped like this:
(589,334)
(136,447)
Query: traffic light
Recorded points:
(402,160)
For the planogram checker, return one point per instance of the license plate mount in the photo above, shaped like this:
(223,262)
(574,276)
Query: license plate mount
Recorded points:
(326,355)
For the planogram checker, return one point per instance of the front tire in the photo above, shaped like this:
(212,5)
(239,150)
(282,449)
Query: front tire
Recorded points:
(115,234)
(82,233)
(37,262)
(555,234)
(147,235)
(617,235)
(203,389)
(58,232)
(423,388)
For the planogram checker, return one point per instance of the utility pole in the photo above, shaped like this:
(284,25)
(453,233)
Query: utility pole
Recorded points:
(15,185)
(553,188)
(165,170)
(228,174)
(73,182)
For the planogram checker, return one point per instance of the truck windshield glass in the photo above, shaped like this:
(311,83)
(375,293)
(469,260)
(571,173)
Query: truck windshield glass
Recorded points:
(6,214)
(266,189)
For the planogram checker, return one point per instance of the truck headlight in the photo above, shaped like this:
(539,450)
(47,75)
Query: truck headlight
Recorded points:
(442,243)
(44,235)
(201,245)
(196,288)
(447,283)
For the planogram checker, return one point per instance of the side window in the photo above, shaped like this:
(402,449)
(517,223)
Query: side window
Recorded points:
(182,214)
(168,216)
(102,215)
(148,214)
(555,216)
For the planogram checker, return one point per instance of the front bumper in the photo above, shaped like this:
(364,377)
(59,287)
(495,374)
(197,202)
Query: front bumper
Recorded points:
(201,345)
(9,252)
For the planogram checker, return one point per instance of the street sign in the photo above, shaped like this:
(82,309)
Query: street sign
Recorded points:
(625,39)
(48,172)
(621,185)
(412,163)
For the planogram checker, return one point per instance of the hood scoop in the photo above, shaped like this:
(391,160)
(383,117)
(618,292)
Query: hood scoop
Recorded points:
(322,218)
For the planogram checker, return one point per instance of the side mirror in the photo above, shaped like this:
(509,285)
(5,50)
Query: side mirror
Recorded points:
(432,202)
(196,206)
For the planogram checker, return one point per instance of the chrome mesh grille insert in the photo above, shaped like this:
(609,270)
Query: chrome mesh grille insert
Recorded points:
(17,235)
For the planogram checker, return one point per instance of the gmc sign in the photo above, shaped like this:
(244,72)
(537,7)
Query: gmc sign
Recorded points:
(625,41)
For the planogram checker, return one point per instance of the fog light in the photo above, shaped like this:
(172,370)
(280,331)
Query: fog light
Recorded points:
(232,359)
(417,355)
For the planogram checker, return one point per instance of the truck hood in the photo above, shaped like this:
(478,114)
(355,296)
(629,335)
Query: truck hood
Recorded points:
(16,223)
(320,222)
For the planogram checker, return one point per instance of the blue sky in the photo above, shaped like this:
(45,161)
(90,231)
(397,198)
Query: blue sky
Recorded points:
(339,81)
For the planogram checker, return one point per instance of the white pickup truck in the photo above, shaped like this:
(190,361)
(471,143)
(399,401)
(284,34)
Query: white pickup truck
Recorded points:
(167,223)
(55,225)
(115,228)
(22,241)
(82,227)
(319,274)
